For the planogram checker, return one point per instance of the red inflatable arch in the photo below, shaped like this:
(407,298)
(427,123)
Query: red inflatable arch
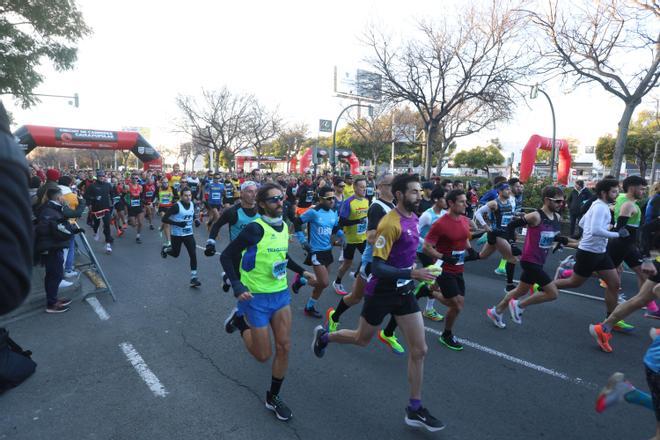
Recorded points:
(529,157)
(33,136)
(305,161)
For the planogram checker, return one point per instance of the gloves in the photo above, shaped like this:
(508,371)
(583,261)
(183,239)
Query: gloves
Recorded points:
(197,223)
(79,231)
(472,255)
(624,233)
(515,250)
(561,240)
(210,248)
(307,247)
(449,259)
(557,247)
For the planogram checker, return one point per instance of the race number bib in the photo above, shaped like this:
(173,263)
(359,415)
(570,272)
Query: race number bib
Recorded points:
(362,226)
(166,199)
(135,203)
(279,270)
(149,194)
(229,194)
(187,230)
(310,197)
(506,219)
(115,199)
(370,191)
(215,196)
(404,287)
(546,239)
(460,257)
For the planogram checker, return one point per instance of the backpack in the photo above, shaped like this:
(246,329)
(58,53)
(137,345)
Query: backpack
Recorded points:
(16,364)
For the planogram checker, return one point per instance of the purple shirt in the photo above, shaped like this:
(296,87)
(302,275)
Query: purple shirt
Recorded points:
(539,240)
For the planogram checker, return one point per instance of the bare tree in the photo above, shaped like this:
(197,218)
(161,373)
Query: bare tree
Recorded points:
(219,121)
(476,57)
(375,131)
(613,43)
(185,151)
(262,126)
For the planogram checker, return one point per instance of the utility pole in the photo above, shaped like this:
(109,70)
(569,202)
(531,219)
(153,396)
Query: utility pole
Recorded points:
(533,94)
(334,135)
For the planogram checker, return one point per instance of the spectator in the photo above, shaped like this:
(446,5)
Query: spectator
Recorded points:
(579,196)
(72,208)
(52,176)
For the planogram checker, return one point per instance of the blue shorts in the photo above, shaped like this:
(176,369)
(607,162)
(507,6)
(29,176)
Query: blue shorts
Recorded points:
(261,308)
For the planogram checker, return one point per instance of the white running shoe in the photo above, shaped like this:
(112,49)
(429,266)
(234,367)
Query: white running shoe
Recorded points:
(108,249)
(339,289)
(515,311)
(71,274)
(97,236)
(64,284)
(496,318)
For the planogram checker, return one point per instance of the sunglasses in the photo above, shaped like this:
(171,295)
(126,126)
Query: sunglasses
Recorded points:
(555,200)
(328,198)
(274,199)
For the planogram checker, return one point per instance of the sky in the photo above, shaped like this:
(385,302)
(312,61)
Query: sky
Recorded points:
(142,54)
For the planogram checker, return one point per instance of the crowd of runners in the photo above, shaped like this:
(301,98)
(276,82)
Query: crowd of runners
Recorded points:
(414,239)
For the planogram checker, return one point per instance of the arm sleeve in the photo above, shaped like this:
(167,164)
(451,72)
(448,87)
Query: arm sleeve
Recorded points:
(479,214)
(249,236)
(174,209)
(648,231)
(374,215)
(229,216)
(293,266)
(382,270)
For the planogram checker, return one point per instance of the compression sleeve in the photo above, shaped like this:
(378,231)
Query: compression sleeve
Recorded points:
(649,230)
(293,266)
(382,270)
(517,222)
(479,214)
(621,222)
(249,236)
(174,209)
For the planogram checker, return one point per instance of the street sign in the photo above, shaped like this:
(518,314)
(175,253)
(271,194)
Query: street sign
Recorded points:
(325,125)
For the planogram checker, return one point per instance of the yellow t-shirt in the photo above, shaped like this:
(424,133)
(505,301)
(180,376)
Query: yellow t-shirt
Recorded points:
(348,190)
(355,209)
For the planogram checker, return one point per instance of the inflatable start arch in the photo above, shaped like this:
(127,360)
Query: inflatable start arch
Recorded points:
(33,136)
(529,157)
(304,163)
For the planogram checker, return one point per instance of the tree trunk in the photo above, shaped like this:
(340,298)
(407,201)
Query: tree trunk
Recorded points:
(428,150)
(621,137)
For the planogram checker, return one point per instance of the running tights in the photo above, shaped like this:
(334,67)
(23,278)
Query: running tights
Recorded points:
(189,242)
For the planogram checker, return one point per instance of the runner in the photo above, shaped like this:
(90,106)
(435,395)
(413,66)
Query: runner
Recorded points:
(237,217)
(323,223)
(180,217)
(215,190)
(119,201)
(543,226)
(261,289)
(516,199)
(229,197)
(353,218)
(165,198)
(449,240)
(500,212)
(135,203)
(98,196)
(371,186)
(305,195)
(389,291)
(148,195)
(349,190)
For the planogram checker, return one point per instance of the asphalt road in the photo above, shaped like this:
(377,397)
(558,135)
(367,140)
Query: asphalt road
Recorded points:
(530,381)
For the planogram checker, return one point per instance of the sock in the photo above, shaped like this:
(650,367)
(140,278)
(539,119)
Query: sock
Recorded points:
(652,307)
(338,280)
(240,324)
(510,268)
(391,326)
(502,265)
(429,304)
(415,404)
(446,334)
(341,308)
(193,274)
(637,397)
(310,303)
(275,385)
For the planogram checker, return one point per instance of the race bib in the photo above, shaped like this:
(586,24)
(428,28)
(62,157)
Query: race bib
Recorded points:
(370,191)
(177,185)
(362,226)
(165,199)
(135,202)
(115,199)
(310,197)
(546,239)
(506,219)
(187,230)
(149,194)
(215,196)
(460,257)
(229,194)
(279,270)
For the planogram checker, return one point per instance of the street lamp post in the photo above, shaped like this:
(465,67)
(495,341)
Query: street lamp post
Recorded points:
(334,134)
(533,95)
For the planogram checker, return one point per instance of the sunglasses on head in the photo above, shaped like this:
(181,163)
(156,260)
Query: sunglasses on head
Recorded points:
(275,199)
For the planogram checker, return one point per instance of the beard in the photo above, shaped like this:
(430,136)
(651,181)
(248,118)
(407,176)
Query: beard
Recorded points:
(410,206)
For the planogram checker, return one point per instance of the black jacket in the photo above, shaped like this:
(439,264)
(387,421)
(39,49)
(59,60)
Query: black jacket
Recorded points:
(98,196)
(53,231)
(577,200)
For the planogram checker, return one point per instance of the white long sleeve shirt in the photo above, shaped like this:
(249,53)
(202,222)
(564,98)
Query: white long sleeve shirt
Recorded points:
(594,224)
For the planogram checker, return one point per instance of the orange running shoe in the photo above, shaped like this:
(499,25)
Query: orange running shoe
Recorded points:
(601,336)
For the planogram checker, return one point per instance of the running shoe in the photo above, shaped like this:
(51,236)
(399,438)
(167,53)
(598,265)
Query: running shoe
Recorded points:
(151,227)
(277,405)
(450,342)
(229,322)
(120,233)
(482,239)
(602,284)
(499,271)
(423,419)
(510,287)
(433,315)
(64,301)
(108,249)
(621,298)
(614,392)
(652,315)
(623,327)
(194,282)
(496,318)
(515,311)
(312,312)
(138,241)
(330,324)
(97,236)
(165,250)
(339,288)
(57,308)
(71,274)
(64,284)
(225,283)
(601,336)
(653,333)
(318,346)
(392,342)
(297,283)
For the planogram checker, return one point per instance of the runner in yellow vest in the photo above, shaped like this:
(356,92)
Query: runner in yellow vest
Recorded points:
(261,289)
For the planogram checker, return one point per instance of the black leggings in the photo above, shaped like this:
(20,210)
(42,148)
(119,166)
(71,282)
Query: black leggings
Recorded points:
(189,242)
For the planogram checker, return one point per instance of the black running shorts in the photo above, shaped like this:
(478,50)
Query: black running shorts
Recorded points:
(656,278)
(377,307)
(620,252)
(349,249)
(319,258)
(534,274)
(588,262)
(134,211)
(653,380)
(424,259)
(491,236)
(451,284)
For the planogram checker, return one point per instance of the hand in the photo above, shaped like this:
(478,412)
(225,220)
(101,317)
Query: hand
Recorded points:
(449,259)
(472,255)
(423,274)
(624,233)
(649,268)
(210,249)
(180,224)
(245,296)
(557,247)
(197,223)
(561,240)
(79,231)
(515,250)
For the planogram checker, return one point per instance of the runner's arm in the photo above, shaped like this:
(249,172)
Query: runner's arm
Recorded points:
(479,215)
(249,236)
(293,266)
(172,210)
(229,216)
(382,270)
(594,224)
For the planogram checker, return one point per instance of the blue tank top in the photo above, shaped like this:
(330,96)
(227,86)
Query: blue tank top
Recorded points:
(500,219)
(425,229)
(184,215)
(321,223)
(243,220)
(652,356)
(539,240)
(215,191)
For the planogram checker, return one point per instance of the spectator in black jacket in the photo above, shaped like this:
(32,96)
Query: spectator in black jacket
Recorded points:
(16,234)
(576,199)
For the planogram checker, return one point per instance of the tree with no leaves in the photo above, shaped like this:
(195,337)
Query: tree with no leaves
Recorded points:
(466,61)
(613,43)
(262,126)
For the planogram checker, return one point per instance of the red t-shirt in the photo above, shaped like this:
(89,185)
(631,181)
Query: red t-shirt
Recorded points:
(449,235)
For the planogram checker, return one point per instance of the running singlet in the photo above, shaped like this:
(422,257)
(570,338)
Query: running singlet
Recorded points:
(634,219)
(370,189)
(348,190)
(501,218)
(652,356)
(263,266)
(368,254)
(165,198)
(355,209)
(215,191)
(449,236)
(321,223)
(241,222)
(229,189)
(539,239)
(135,193)
(424,229)
(193,184)
(175,181)
(396,243)
(184,215)
(149,191)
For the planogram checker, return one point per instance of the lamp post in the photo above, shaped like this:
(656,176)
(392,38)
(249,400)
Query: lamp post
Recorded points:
(533,94)
(334,134)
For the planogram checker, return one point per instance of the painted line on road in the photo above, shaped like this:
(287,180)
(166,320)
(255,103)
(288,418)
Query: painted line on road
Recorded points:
(515,360)
(570,292)
(143,370)
(98,308)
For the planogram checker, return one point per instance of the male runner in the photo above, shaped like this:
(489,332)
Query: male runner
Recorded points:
(180,217)
(149,195)
(261,289)
(371,186)
(353,218)
(516,199)
(349,190)
(165,198)
(99,201)
(135,202)
(323,223)
(215,190)
(390,291)
(543,226)
(229,197)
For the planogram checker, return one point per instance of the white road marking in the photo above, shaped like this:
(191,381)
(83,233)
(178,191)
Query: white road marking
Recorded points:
(570,292)
(98,308)
(143,370)
(515,360)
